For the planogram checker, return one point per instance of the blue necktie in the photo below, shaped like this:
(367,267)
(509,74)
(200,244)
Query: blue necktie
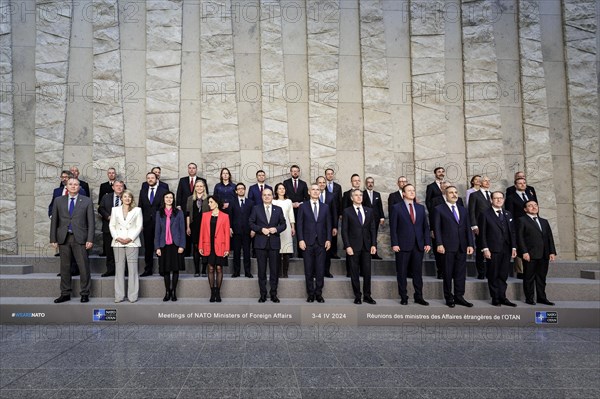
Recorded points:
(315,211)
(455,214)
(116,200)
(71,206)
(359,213)
(151,195)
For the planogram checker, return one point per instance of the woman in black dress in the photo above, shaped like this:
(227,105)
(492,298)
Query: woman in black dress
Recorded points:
(196,206)
(214,241)
(169,242)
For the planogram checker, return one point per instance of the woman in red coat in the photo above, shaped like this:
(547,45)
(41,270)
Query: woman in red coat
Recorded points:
(214,245)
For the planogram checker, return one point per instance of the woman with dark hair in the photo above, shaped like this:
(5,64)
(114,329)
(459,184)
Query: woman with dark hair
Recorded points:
(287,245)
(169,243)
(196,206)
(213,245)
(225,190)
(475,185)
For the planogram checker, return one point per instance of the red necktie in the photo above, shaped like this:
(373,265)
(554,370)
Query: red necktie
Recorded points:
(191,184)
(412,213)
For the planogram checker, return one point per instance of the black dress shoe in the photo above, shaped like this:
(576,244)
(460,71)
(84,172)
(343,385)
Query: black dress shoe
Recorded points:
(450,304)
(347,275)
(57,254)
(404,301)
(311,298)
(480,277)
(440,276)
(85,298)
(357,301)
(274,299)
(107,274)
(249,275)
(546,302)
(496,303)
(369,300)
(262,299)
(57,274)
(329,275)
(62,298)
(509,303)
(459,300)
(319,299)
(520,276)
(529,302)
(421,301)
(234,275)
(145,274)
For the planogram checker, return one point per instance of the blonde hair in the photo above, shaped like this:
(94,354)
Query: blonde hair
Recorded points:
(128,192)
(194,195)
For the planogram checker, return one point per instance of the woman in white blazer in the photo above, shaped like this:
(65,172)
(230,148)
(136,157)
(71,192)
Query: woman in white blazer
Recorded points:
(125,227)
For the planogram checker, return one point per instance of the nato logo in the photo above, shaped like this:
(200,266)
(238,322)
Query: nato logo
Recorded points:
(105,315)
(546,317)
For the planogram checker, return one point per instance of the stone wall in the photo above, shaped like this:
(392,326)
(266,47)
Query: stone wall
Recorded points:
(381,88)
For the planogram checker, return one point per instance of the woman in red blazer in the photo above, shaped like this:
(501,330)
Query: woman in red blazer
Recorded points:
(214,245)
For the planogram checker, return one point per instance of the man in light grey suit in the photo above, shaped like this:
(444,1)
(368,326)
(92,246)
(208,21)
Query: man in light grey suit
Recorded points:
(72,228)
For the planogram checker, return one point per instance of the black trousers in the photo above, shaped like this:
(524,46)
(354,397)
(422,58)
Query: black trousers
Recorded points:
(108,251)
(497,273)
(360,263)
(148,247)
(414,260)
(455,270)
(314,265)
(241,244)
(270,256)
(534,275)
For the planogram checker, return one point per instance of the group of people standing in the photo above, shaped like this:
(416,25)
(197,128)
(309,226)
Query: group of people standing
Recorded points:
(267,221)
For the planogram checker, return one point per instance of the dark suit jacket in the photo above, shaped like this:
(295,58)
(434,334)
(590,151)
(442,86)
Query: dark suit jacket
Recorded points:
(183,191)
(162,184)
(106,188)
(82,221)
(309,230)
(258,220)
(490,230)
(337,191)
(240,216)
(255,195)
(347,200)
(514,202)
(58,193)
(376,206)
(300,195)
(104,210)
(393,199)
(433,191)
(86,188)
(404,233)
(477,204)
(512,189)
(453,236)
(436,202)
(331,202)
(177,226)
(356,235)
(149,210)
(530,240)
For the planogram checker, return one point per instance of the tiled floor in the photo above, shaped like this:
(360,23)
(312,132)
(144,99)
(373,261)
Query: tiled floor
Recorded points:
(253,361)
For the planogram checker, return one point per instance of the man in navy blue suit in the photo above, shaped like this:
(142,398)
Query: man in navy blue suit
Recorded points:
(360,239)
(240,227)
(454,242)
(410,239)
(62,189)
(313,229)
(149,201)
(329,198)
(267,222)
(498,243)
(255,190)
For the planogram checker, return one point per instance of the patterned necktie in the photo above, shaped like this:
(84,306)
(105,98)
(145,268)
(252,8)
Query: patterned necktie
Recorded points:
(500,215)
(151,195)
(359,213)
(315,211)
(116,200)
(455,214)
(412,213)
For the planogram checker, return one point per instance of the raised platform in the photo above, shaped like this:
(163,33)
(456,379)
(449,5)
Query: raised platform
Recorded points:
(28,286)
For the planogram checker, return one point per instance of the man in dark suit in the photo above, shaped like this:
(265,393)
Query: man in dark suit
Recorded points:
(359,236)
(240,226)
(535,245)
(61,190)
(86,187)
(372,199)
(479,202)
(297,191)
(336,190)
(396,196)
(149,201)
(267,222)
(410,239)
(106,187)
(72,228)
(454,241)
(157,171)
(498,244)
(313,229)
(347,196)
(435,189)
(104,210)
(185,188)
(255,190)
(330,199)
(511,190)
